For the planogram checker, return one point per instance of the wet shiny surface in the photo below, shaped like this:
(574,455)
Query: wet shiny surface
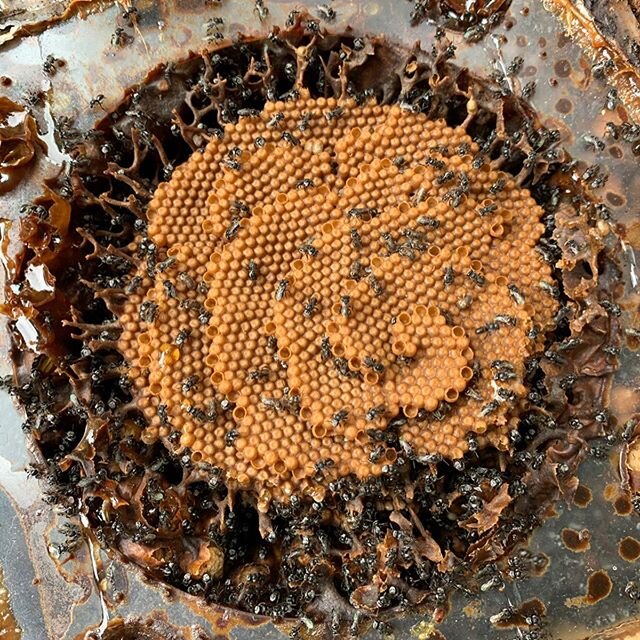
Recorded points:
(571,99)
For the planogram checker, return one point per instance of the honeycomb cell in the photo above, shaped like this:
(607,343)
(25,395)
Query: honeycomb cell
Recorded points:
(325,267)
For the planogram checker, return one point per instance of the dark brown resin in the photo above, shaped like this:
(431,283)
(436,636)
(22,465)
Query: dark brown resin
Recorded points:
(599,586)
(528,614)
(582,497)
(629,549)
(577,541)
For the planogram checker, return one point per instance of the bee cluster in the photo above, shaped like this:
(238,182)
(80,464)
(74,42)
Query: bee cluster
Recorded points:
(358,543)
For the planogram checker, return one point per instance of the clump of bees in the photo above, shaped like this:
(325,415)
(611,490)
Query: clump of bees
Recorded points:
(301,315)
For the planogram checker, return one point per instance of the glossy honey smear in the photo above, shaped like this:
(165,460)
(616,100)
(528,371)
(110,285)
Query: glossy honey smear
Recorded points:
(9,629)
(323,267)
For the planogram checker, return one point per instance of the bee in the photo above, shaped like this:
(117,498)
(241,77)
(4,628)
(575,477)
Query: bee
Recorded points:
(305,183)
(335,624)
(593,141)
(356,240)
(131,13)
(195,412)
(362,212)
(232,230)
(252,270)
(414,239)
(148,311)
(375,285)
(281,290)
(120,37)
(407,252)
(345,306)
(488,209)
(612,307)
(259,142)
(310,307)
(240,208)
(506,394)
(334,114)
(290,71)
(373,364)
(303,123)
(271,403)
(308,249)
(342,367)
(292,402)
(165,264)
(628,430)
(214,22)
(326,12)
(497,186)
(214,36)
(230,437)
(97,101)
(291,95)
(434,162)
(612,98)
(375,412)
(528,90)
(325,348)
(182,337)
(275,120)
(487,328)
(489,408)
(259,375)
(445,177)
(463,181)
(554,292)
(189,282)
(312,26)
(428,221)
(449,276)
(476,278)
(260,10)
(190,383)
(291,18)
(248,113)
(515,294)
(389,242)
(571,343)
(339,417)
(357,270)
(133,285)
(470,392)
(506,320)
(232,164)
(290,138)
(502,364)
(355,624)
(419,196)
(170,289)
(50,65)
(272,343)
(504,375)
(162,414)
(454,196)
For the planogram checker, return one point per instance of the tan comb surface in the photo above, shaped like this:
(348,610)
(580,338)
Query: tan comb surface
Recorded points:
(321,269)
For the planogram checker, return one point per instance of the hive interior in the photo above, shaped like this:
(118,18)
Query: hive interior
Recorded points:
(317,270)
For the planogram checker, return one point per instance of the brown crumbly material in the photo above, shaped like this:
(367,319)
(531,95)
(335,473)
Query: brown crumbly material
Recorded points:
(330,266)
